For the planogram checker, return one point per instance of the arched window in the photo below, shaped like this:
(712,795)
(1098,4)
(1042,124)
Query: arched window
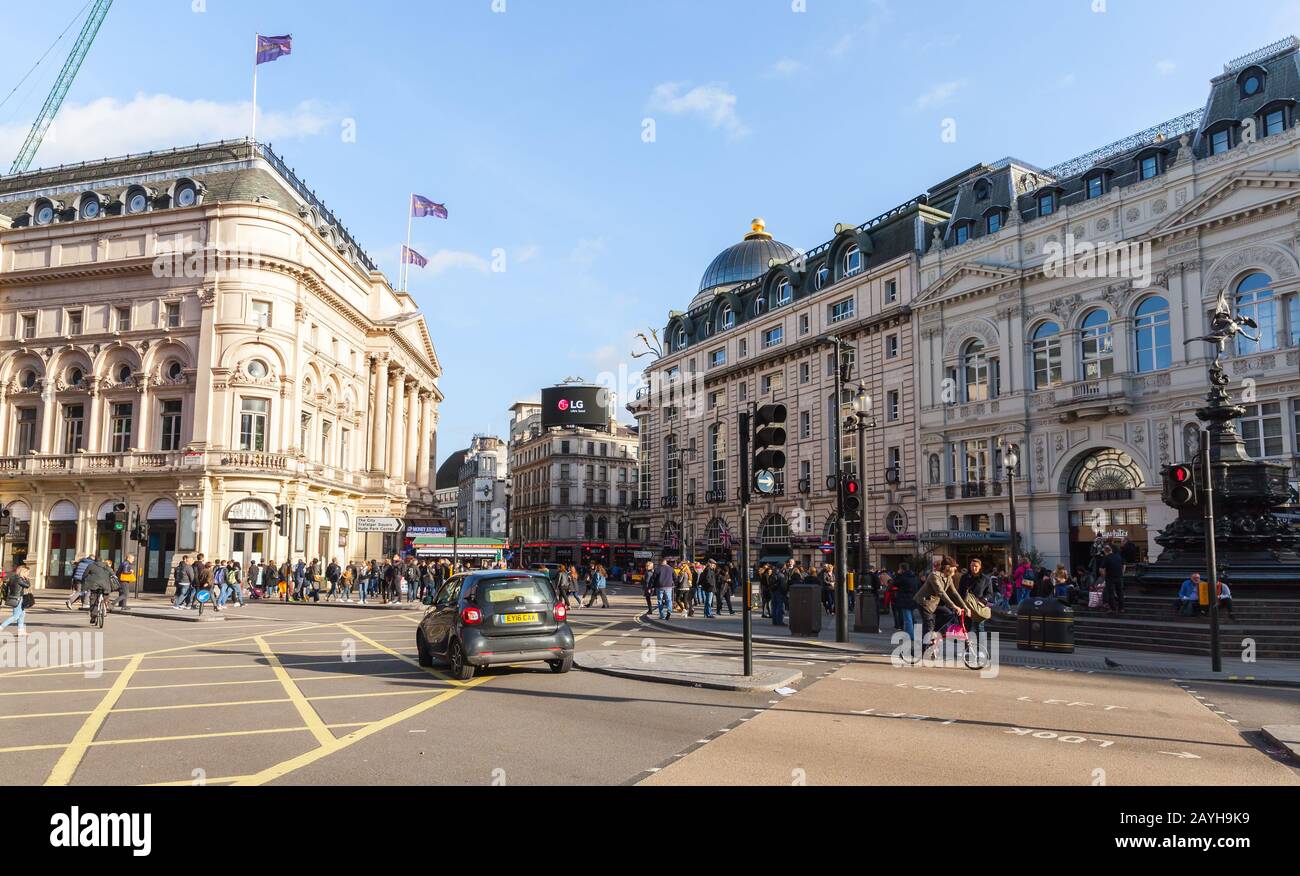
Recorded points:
(681,339)
(589,527)
(727,319)
(982,189)
(784,293)
(975,368)
(1096,349)
(819,279)
(852,261)
(1151,334)
(602,528)
(1046,348)
(774,530)
(1255,299)
(760,303)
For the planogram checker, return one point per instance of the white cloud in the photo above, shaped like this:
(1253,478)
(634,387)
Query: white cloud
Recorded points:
(108,126)
(939,94)
(712,103)
(526,253)
(451,260)
(1165,67)
(587,251)
(785,68)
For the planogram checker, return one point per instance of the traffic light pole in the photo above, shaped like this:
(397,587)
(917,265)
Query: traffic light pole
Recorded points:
(1211,554)
(747,610)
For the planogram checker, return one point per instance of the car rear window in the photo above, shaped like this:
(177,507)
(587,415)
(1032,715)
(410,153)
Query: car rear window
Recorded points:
(502,590)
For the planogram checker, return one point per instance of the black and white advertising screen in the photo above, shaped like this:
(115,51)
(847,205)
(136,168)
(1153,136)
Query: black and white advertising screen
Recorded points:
(574,406)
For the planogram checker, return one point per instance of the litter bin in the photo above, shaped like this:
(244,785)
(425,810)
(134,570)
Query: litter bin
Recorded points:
(1043,623)
(805,609)
(866,611)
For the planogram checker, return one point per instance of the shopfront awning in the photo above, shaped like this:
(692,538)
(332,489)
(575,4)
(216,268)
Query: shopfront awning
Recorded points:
(963,536)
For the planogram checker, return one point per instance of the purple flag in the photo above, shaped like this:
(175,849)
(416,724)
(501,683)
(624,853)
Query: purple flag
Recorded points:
(422,206)
(411,257)
(271,47)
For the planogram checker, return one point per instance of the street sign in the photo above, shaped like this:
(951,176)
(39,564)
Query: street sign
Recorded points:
(765,482)
(379,524)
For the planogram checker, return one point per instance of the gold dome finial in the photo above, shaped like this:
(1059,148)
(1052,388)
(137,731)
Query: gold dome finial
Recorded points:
(758,230)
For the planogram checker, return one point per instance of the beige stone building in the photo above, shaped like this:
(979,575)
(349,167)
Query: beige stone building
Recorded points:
(757,332)
(192,334)
(1060,312)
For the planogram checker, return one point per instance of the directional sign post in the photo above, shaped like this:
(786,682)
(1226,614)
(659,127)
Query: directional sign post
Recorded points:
(380,524)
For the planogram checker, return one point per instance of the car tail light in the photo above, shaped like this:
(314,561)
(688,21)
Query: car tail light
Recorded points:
(560,611)
(471,615)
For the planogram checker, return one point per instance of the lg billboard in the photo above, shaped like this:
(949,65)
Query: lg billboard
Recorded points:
(575,406)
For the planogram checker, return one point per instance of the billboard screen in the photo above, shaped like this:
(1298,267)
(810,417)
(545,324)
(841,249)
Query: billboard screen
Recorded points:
(574,406)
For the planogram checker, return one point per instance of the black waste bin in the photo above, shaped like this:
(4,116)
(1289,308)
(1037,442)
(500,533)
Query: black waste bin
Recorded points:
(1043,623)
(866,611)
(805,609)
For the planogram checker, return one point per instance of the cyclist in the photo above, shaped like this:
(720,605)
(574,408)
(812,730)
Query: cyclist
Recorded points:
(99,583)
(939,600)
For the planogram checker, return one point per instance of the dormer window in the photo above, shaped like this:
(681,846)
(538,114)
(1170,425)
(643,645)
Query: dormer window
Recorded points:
(852,261)
(1251,82)
(186,195)
(1046,203)
(681,338)
(961,233)
(136,201)
(43,214)
(982,189)
(90,207)
(728,318)
(1095,186)
(819,279)
(1220,141)
(784,293)
(760,304)
(993,222)
(1149,167)
(1274,122)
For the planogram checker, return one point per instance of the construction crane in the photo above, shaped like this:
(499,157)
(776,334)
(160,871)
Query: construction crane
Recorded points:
(69,72)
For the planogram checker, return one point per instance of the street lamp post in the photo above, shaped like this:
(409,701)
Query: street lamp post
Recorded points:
(681,497)
(841,561)
(1010,459)
(864,419)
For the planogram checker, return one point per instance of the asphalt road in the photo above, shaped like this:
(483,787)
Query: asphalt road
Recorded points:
(288,694)
(332,695)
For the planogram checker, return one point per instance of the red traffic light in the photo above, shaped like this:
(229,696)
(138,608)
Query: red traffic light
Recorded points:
(1182,474)
(851,487)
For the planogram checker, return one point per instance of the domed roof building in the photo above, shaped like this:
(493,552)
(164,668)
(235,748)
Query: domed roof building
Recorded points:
(743,262)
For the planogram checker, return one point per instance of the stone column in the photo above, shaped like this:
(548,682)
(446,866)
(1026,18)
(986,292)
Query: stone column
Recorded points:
(412,425)
(426,430)
(205,361)
(94,427)
(143,415)
(49,417)
(379,418)
(371,394)
(396,430)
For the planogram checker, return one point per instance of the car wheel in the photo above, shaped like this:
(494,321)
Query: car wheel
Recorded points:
(561,666)
(422,649)
(461,669)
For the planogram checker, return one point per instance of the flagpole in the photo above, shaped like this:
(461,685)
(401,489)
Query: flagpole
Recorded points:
(406,254)
(256,42)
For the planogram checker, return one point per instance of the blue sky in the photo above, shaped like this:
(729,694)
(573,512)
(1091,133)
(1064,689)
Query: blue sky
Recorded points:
(528,124)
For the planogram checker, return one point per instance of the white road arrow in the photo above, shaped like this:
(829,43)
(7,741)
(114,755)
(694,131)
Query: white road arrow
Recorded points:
(1182,755)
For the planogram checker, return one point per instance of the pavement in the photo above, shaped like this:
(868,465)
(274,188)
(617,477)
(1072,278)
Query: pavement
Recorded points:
(1286,736)
(1084,659)
(874,723)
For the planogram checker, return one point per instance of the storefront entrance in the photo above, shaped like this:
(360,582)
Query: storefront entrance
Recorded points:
(159,553)
(247,546)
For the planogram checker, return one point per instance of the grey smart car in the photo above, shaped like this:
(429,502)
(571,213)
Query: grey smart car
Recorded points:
(495,617)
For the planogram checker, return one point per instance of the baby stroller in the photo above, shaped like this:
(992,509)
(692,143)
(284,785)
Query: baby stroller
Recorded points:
(257,591)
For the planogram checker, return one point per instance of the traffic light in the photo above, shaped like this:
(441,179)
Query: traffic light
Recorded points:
(852,498)
(282,518)
(117,519)
(769,438)
(6,522)
(1181,489)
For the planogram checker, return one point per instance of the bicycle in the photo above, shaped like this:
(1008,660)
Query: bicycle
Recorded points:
(972,655)
(98,608)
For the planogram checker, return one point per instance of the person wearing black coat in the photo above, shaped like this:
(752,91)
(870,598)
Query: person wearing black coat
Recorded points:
(1113,563)
(708,585)
(778,586)
(905,587)
(979,583)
